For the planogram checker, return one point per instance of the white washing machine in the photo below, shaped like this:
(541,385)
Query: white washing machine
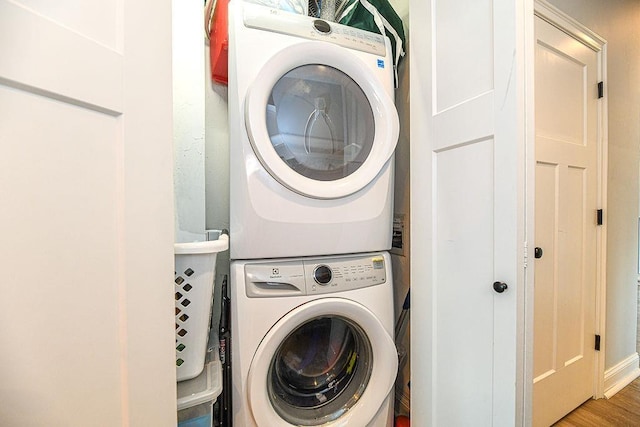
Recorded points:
(313,128)
(312,341)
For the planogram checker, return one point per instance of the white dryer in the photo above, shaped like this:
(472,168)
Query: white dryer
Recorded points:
(313,128)
(312,341)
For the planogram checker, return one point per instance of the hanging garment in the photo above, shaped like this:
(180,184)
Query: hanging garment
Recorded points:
(377,16)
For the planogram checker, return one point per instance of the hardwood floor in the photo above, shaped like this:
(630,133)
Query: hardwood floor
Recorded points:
(622,410)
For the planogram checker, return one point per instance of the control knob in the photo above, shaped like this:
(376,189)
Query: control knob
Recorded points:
(321,26)
(322,275)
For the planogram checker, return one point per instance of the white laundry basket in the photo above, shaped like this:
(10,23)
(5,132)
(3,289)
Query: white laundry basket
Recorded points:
(195,268)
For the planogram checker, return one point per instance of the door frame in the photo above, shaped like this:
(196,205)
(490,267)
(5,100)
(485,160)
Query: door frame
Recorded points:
(573,28)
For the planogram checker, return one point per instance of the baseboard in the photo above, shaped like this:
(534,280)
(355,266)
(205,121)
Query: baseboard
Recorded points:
(621,375)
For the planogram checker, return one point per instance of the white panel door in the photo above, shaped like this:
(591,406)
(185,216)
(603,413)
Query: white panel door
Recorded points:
(86,214)
(566,110)
(467,186)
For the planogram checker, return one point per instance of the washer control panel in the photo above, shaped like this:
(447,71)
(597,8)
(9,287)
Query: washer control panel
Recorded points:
(310,276)
(283,22)
(335,275)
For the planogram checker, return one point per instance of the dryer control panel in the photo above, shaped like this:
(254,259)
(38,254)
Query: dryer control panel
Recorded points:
(279,21)
(311,276)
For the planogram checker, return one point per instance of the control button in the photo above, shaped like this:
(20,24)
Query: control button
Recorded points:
(322,26)
(322,275)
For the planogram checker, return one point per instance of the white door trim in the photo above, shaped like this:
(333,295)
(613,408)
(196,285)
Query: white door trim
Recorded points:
(592,40)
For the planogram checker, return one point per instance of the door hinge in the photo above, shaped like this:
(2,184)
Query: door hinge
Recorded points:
(600,90)
(599,220)
(597,346)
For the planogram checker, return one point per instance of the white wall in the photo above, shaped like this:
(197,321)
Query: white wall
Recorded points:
(216,170)
(216,152)
(189,118)
(618,21)
(200,132)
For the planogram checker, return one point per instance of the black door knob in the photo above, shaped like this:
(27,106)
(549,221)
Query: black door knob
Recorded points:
(538,252)
(500,287)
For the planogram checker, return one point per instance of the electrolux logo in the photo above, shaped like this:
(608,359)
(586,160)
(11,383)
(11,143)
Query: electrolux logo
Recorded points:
(380,63)
(275,273)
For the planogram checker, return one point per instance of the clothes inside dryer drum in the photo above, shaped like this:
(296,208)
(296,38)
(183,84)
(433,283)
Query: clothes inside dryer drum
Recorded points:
(320,122)
(319,371)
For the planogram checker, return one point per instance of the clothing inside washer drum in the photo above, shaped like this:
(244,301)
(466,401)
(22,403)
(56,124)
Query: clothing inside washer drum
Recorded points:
(319,371)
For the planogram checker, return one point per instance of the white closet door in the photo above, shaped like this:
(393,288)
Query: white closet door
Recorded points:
(86,213)
(467,188)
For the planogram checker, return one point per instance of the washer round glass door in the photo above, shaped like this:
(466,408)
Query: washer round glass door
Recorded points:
(318,365)
(319,371)
(324,127)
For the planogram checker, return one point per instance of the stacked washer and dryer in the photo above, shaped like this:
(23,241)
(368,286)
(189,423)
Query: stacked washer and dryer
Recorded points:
(313,128)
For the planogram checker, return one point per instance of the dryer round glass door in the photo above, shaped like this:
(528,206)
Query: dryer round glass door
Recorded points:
(319,121)
(329,360)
